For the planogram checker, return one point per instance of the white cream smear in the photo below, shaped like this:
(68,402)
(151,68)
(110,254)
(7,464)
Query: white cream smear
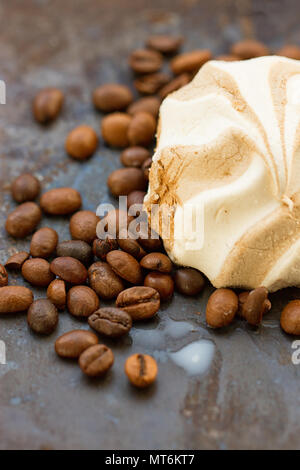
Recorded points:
(195,358)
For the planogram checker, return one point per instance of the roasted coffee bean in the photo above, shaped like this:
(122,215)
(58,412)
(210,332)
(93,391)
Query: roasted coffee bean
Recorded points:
(145,61)
(157,262)
(190,61)
(16,261)
(42,317)
(114,128)
(290,318)
(163,283)
(131,246)
(148,104)
(3,276)
(290,50)
(23,220)
(112,97)
(81,142)
(125,266)
(249,48)
(174,85)
(37,272)
(164,43)
(189,281)
(221,308)
(148,238)
(114,221)
(141,370)
(141,129)
(112,322)
(96,360)
(146,168)
(43,243)
(136,197)
(25,188)
(123,181)
(75,249)
(227,57)
(47,105)
(15,299)
(61,201)
(83,226)
(73,343)
(82,301)
(57,294)
(104,281)
(150,84)
(140,302)
(253,305)
(69,269)
(102,247)
(134,156)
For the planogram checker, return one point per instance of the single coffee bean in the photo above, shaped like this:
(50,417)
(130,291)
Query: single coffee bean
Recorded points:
(148,104)
(25,188)
(42,317)
(57,294)
(16,261)
(125,266)
(43,243)
(292,51)
(190,61)
(23,220)
(112,97)
(146,168)
(141,370)
(83,226)
(82,301)
(221,308)
(249,48)
(112,322)
(96,360)
(157,262)
(47,105)
(37,272)
(134,156)
(253,305)
(140,302)
(163,283)
(3,276)
(145,61)
(15,299)
(148,238)
(73,343)
(104,281)
(114,128)
(102,247)
(114,221)
(136,198)
(189,281)
(227,57)
(60,201)
(81,142)
(69,269)
(75,249)
(290,318)
(123,181)
(141,129)
(164,43)
(174,85)
(131,246)
(150,84)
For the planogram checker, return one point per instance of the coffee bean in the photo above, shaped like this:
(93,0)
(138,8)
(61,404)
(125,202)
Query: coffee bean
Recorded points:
(141,129)
(227,57)
(174,85)
(47,105)
(163,283)
(73,343)
(189,281)
(81,142)
(131,246)
(125,180)
(141,370)
(190,61)
(16,261)
(289,50)
(75,249)
(57,294)
(104,281)
(136,197)
(114,128)
(83,226)
(37,272)
(112,322)
(125,266)
(25,188)
(112,97)
(23,220)
(148,104)
(69,269)
(15,299)
(3,276)
(148,238)
(221,308)
(146,168)
(134,156)
(150,84)
(96,360)
(114,221)
(42,317)
(254,305)
(145,61)
(249,48)
(102,247)
(140,302)
(164,43)
(157,262)
(43,243)
(82,301)
(290,318)
(60,201)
